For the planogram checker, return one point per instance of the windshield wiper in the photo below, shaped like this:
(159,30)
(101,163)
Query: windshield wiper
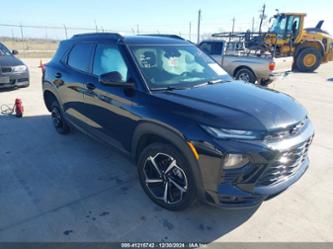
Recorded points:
(212,82)
(168,88)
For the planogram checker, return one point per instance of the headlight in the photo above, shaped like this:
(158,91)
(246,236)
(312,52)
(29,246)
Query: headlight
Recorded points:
(229,133)
(19,69)
(232,161)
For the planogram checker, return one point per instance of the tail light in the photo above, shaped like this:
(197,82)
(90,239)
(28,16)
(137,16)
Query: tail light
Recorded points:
(271,66)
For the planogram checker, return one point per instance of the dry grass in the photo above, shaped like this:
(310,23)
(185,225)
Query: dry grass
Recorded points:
(31,48)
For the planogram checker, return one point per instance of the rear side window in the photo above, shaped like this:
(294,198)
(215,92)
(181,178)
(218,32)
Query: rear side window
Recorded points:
(212,48)
(80,56)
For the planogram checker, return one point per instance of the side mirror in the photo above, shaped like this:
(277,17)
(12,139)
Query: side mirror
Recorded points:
(15,52)
(114,79)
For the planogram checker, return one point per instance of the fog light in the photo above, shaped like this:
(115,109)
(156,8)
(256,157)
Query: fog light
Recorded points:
(232,161)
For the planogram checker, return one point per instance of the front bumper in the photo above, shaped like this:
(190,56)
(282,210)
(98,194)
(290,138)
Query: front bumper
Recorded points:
(12,80)
(264,177)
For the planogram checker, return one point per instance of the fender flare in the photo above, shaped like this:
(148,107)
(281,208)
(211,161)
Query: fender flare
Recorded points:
(303,45)
(49,87)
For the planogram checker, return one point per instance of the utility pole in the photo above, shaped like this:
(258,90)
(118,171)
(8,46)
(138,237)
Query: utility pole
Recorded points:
(199,24)
(46,36)
(137,29)
(96,26)
(190,31)
(21,27)
(252,24)
(233,24)
(65,31)
(262,16)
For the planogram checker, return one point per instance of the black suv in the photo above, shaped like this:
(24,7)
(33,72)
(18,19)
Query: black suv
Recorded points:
(193,132)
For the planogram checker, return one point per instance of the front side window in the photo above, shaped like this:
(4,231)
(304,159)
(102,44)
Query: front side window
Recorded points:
(109,59)
(80,56)
(176,65)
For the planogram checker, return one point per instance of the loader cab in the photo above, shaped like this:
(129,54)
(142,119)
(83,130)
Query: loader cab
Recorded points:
(287,26)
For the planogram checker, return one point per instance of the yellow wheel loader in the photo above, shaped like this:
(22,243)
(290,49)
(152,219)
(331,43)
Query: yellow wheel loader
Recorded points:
(287,37)
(309,46)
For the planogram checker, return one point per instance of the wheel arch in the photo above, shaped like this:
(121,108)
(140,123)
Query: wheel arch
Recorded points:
(243,67)
(149,132)
(310,44)
(49,97)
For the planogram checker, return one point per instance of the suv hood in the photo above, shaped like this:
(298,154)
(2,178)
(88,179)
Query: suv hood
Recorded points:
(9,61)
(236,105)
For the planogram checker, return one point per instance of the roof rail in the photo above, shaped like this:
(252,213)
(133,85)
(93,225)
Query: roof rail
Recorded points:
(98,35)
(165,35)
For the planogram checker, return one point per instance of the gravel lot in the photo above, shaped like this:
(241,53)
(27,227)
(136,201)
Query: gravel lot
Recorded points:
(71,188)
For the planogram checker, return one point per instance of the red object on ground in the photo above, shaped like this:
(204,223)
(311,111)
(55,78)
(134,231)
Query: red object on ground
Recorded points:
(19,108)
(41,65)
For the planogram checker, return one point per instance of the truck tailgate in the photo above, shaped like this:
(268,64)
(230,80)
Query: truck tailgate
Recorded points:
(283,64)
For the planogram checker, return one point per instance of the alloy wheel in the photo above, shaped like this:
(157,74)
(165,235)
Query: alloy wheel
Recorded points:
(244,77)
(165,180)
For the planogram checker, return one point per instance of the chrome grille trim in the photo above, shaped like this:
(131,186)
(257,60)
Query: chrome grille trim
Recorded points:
(278,171)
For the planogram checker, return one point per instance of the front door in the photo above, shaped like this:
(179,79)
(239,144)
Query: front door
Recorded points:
(109,107)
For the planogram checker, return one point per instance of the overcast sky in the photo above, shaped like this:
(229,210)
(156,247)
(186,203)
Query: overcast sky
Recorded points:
(148,16)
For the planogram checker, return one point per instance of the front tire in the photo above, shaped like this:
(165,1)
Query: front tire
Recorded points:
(308,60)
(246,75)
(166,177)
(58,120)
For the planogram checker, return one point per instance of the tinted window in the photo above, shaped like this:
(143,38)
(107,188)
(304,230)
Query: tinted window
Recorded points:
(79,57)
(212,48)
(3,50)
(176,66)
(109,59)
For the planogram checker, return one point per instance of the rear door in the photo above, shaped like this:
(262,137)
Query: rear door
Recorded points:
(73,79)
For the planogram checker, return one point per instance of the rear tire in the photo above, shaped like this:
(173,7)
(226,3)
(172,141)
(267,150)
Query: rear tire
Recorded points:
(166,177)
(58,120)
(246,75)
(308,60)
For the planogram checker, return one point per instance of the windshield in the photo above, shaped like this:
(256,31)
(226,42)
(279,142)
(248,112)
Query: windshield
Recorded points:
(177,66)
(3,50)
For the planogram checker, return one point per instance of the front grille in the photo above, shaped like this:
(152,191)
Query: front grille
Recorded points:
(285,166)
(23,80)
(6,69)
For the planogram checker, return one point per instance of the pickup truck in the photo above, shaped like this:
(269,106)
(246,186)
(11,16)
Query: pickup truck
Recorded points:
(246,65)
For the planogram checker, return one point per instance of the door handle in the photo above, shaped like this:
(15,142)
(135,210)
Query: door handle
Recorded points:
(91,86)
(58,75)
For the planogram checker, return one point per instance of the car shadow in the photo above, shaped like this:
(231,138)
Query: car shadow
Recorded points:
(55,184)
(330,79)
(8,89)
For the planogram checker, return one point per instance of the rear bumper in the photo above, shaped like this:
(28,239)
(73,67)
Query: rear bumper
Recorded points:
(13,80)
(273,76)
